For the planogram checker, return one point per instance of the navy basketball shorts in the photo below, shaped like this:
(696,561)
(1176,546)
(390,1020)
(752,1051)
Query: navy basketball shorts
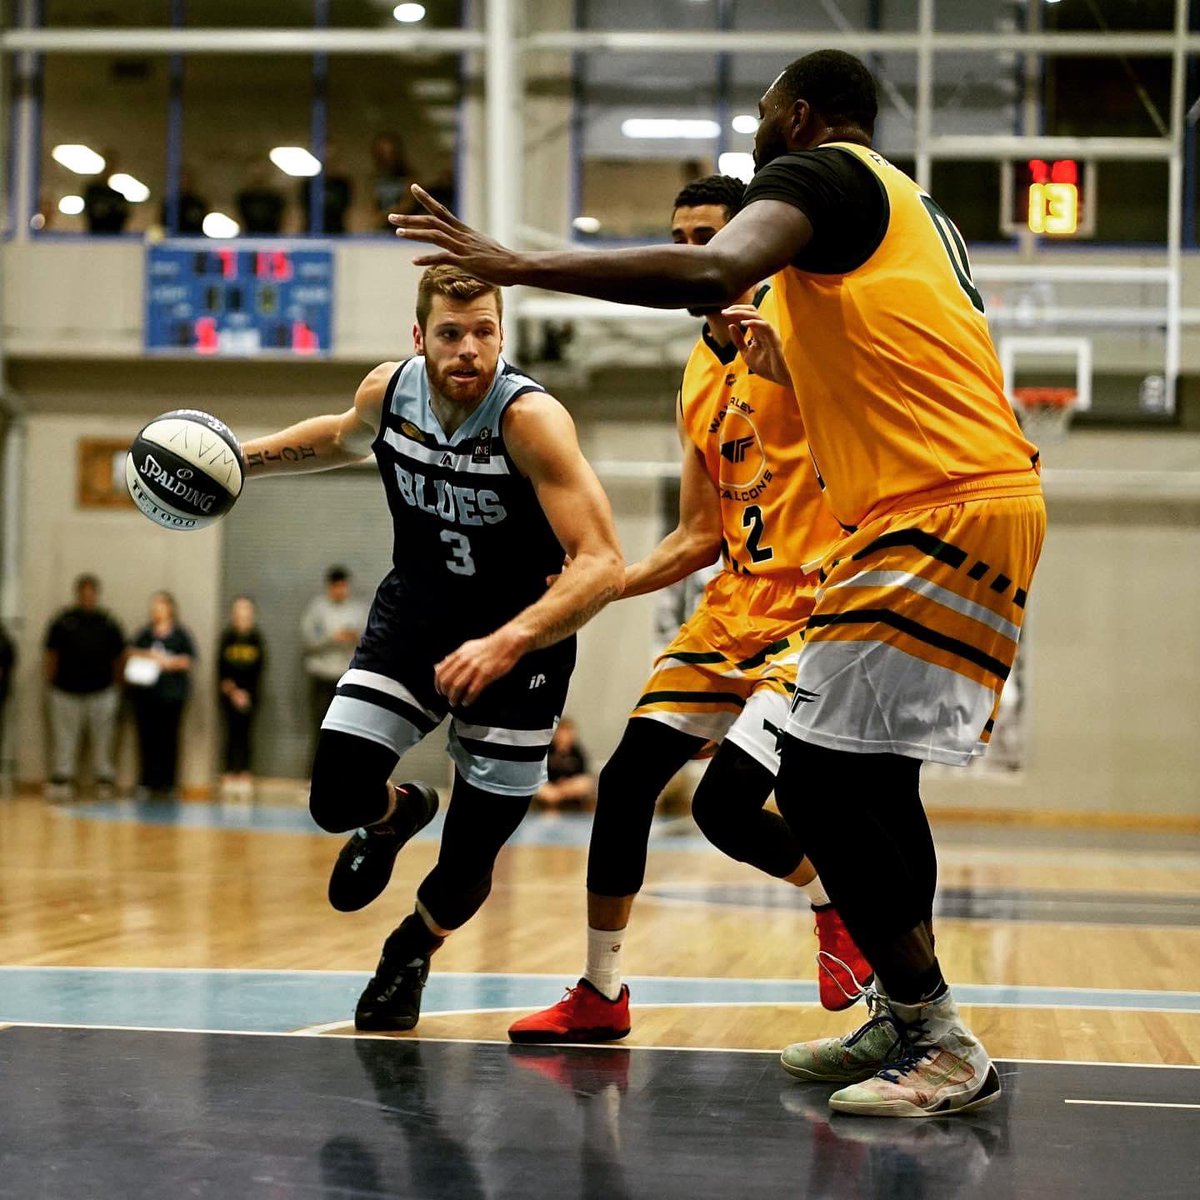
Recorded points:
(498,744)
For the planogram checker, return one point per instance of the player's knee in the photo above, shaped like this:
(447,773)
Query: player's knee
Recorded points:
(349,781)
(714,816)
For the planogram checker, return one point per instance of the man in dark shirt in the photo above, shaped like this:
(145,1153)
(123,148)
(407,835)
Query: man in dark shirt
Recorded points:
(105,209)
(8,663)
(84,648)
(260,206)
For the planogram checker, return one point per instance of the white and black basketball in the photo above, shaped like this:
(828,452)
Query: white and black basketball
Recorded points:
(184,469)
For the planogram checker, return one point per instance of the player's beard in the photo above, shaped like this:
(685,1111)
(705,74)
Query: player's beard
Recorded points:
(464,392)
(771,147)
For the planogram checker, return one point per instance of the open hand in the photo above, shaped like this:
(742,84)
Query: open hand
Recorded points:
(463,674)
(461,246)
(758,342)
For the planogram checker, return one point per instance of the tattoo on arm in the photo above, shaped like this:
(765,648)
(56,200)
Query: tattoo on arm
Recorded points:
(573,621)
(286,454)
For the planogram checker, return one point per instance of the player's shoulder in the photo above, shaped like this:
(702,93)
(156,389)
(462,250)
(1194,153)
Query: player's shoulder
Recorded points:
(830,170)
(532,408)
(512,382)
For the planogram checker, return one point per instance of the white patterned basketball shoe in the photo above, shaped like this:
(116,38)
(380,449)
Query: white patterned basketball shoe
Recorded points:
(943,1068)
(853,1057)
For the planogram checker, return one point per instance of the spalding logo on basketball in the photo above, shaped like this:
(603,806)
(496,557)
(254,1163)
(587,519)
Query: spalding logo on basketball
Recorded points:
(184,469)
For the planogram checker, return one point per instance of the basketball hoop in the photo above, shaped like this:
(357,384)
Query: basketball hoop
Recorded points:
(1044,412)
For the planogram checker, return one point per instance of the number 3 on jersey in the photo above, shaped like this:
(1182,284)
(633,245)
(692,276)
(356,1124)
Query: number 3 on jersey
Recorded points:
(460,561)
(752,519)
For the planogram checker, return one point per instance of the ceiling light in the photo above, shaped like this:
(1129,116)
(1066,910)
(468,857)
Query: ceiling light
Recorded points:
(409,14)
(669,127)
(218,225)
(81,159)
(134,190)
(295,160)
(745,123)
(586,224)
(71,206)
(737,163)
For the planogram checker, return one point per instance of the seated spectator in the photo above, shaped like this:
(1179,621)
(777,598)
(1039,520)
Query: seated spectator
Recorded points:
(391,180)
(569,784)
(84,649)
(260,206)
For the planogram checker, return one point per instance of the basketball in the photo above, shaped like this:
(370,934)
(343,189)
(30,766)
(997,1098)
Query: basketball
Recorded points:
(184,469)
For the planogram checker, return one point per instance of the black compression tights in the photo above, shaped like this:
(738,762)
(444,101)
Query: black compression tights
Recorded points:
(867,834)
(349,789)
(648,756)
(349,781)
(728,807)
(478,823)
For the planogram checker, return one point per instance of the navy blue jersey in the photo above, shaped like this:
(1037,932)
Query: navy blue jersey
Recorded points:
(471,545)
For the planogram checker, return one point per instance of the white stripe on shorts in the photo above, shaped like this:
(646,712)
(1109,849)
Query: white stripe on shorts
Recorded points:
(939,595)
(382,683)
(505,737)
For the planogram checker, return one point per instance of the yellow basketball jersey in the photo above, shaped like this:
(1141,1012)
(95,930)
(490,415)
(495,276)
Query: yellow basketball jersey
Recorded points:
(898,382)
(773,517)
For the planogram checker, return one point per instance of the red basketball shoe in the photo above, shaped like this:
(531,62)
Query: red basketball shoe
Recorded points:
(843,971)
(582,1015)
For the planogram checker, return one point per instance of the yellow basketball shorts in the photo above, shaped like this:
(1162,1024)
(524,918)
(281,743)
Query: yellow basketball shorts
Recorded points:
(731,670)
(915,629)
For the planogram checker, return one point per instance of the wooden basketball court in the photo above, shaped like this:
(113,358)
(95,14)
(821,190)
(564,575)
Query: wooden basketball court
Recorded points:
(174,976)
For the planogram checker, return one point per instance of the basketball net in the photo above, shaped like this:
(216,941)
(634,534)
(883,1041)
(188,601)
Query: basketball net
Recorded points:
(1045,412)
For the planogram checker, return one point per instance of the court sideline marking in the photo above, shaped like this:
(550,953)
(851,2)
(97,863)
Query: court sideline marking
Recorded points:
(1132,1103)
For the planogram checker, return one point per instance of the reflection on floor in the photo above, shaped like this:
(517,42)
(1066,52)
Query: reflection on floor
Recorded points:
(106,1114)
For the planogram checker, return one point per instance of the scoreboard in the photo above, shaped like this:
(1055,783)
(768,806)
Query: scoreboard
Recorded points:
(239,298)
(1049,197)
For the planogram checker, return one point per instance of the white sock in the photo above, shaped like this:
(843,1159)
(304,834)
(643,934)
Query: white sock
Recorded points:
(603,969)
(815,892)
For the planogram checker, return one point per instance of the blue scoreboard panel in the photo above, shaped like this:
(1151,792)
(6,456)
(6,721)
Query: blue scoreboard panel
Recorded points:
(238,299)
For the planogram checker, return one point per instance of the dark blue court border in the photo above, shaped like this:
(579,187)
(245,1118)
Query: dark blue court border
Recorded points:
(106,1114)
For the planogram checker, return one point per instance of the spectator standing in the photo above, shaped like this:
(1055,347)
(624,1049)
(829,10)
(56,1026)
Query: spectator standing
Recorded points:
(337,194)
(193,208)
(104,208)
(84,648)
(569,782)
(260,206)
(8,663)
(159,674)
(240,664)
(391,180)
(330,628)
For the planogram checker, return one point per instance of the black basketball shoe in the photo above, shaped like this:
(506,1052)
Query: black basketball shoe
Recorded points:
(365,863)
(392,1000)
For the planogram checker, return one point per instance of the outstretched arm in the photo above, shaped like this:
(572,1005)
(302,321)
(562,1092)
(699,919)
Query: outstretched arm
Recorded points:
(322,443)
(760,240)
(694,542)
(540,437)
